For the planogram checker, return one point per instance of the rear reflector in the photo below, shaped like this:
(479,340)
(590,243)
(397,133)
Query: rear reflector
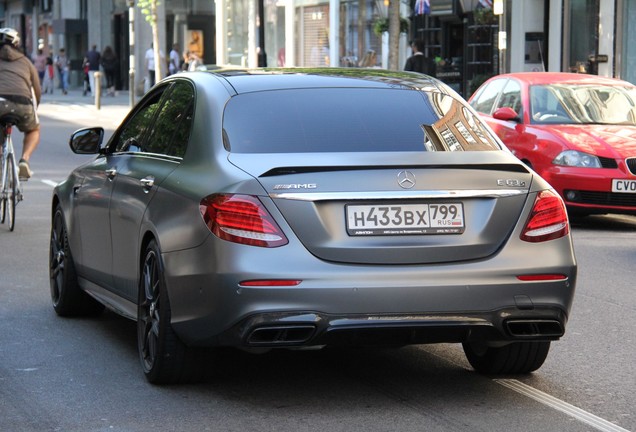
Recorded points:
(548,219)
(269,283)
(541,277)
(241,219)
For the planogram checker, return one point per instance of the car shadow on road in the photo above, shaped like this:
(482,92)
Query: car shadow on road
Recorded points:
(615,223)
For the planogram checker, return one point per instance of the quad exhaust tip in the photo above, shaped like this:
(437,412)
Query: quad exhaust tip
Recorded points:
(281,335)
(534,328)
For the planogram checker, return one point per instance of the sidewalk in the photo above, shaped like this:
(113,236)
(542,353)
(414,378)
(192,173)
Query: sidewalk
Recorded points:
(74,107)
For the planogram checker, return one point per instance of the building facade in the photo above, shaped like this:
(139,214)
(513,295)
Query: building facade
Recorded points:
(469,41)
(76,25)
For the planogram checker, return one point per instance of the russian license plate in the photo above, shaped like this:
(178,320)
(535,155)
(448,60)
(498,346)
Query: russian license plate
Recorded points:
(623,186)
(405,219)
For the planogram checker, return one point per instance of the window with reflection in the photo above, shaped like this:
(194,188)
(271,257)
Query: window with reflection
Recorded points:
(130,136)
(583,104)
(172,127)
(485,100)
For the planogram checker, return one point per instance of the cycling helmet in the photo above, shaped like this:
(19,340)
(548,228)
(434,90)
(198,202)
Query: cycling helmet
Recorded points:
(9,36)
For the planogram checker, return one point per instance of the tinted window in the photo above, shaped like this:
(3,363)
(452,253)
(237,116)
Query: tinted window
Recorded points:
(171,130)
(486,98)
(131,133)
(346,120)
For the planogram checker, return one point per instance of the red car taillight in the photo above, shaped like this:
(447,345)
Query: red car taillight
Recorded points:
(548,219)
(241,219)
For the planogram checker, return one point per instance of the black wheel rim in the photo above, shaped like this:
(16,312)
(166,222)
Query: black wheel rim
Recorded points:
(57,257)
(149,306)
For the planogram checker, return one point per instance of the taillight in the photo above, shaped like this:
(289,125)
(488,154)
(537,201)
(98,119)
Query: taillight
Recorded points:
(548,219)
(241,219)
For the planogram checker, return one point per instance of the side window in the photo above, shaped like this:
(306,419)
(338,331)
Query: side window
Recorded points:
(511,96)
(130,136)
(486,99)
(172,128)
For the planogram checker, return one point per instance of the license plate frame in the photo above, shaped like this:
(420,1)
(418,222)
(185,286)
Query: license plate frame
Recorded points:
(397,219)
(623,186)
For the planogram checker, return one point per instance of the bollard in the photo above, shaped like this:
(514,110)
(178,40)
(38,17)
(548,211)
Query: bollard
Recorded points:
(98,89)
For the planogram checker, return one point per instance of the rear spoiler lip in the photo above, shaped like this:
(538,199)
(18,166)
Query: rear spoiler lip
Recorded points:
(423,194)
(290,170)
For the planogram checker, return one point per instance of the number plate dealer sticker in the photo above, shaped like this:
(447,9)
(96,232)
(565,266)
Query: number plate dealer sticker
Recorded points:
(405,219)
(624,186)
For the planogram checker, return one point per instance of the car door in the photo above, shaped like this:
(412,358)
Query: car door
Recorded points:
(91,196)
(159,152)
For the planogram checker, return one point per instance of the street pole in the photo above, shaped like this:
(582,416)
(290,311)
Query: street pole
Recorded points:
(499,10)
(131,37)
(262,57)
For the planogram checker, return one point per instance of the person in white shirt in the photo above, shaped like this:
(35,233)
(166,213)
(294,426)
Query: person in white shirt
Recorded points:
(174,59)
(150,64)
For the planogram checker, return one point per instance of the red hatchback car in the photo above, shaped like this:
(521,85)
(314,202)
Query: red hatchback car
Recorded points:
(576,131)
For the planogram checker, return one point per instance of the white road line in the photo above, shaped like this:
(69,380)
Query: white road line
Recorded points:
(49,182)
(557,404)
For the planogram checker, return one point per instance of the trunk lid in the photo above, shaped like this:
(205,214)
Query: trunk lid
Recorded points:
(370,208)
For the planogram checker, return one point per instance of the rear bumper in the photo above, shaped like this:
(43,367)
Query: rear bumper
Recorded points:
(346,304)
(316,329)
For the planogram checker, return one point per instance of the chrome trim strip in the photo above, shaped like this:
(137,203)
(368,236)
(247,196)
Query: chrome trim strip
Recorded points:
(425,194)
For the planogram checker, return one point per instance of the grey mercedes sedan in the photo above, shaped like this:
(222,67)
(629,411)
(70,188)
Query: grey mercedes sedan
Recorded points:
(292,208)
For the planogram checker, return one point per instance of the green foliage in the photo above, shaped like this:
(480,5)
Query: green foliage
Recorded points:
(381,25)
(484,16)
(149,9)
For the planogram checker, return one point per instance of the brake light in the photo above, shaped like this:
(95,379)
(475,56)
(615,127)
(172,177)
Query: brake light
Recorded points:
(548,219)
(241,219)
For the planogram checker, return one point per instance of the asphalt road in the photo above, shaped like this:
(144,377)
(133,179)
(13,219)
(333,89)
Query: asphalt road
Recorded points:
(84,375)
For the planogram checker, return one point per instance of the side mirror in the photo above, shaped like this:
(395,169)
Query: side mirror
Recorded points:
(87,140)
(506,114)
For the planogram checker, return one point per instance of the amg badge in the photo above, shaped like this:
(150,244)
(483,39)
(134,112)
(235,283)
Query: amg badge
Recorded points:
(296,186)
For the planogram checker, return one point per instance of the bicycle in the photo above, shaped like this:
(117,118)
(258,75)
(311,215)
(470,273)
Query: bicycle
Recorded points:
(10,189)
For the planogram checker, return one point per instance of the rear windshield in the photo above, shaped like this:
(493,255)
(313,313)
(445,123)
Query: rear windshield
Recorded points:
(351,120)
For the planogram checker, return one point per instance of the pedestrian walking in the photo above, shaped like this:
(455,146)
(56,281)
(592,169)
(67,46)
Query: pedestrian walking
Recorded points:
(109,64)
(174,60)
(419,62)
(39,61)
(93,58)
(63,65)
(150,64)
(48,83)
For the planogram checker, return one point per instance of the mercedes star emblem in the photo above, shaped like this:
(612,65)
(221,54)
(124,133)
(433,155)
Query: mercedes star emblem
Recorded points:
(406,179)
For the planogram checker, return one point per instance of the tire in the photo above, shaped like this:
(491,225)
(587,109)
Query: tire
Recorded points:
(3,209)
(515,358)
(12,190)
(165,359)
(3,201)
(67,296)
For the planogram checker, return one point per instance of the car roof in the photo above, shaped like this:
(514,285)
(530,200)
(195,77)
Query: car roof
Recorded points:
(252,80)
(535,78)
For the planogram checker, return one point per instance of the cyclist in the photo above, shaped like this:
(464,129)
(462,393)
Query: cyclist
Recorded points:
(20,94)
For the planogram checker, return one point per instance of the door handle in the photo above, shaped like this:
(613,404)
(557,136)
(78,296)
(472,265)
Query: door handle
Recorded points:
(147,182)
(111,173)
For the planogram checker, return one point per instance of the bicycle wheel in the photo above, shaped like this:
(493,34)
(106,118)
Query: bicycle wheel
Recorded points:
(12,192)
(3,200)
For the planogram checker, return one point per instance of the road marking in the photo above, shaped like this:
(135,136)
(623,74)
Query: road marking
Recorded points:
(49,182)
(557,404)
